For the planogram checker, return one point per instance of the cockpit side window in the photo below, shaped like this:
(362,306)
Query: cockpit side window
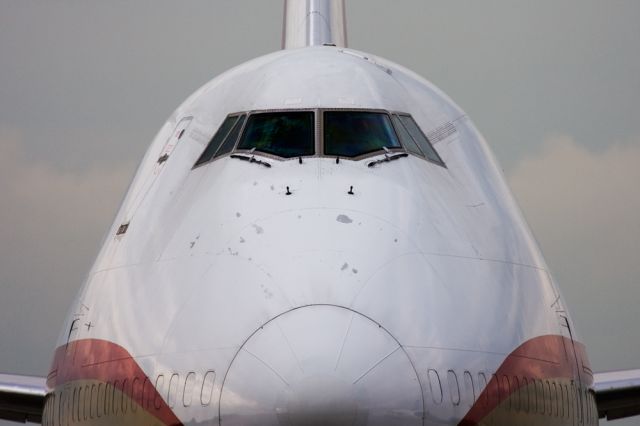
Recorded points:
(355,133)
(284,134)
(406,139)
(420,139)
(217,140)
(230,141)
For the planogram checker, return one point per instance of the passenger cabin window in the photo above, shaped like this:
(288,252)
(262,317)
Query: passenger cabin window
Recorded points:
(284,134)
(355,133)
(407,127)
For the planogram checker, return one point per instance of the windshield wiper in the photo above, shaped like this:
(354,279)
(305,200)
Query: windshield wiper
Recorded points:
(250,158)
(387,157)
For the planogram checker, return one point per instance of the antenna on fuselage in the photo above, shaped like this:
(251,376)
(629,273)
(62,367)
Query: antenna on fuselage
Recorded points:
(314,23)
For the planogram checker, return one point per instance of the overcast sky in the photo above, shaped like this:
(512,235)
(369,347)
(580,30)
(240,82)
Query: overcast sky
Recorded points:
(553,85)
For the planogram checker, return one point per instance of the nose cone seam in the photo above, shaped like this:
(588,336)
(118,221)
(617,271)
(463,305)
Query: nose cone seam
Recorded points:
(321,365)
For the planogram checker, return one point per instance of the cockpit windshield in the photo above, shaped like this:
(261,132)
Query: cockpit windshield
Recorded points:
(351,134)
(285,134)
(354,133)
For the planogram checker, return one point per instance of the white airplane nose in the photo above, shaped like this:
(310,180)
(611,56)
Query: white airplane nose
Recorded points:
(320,400)
(321,365)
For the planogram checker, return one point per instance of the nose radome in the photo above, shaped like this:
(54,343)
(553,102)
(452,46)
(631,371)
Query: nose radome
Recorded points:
(321,365)
(319,400)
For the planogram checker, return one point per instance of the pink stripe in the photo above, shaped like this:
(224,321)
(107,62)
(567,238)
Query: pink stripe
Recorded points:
(544,358)
(104,361)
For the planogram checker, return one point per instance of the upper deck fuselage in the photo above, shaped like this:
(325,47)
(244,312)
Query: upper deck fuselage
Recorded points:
(398,286)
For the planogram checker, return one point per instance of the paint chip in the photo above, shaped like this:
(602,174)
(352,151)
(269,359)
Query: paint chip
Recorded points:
(354,270)
(343,218)
(345,266)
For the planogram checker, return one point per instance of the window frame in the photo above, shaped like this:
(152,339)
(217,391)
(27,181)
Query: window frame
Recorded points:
(431,379)
(378,152)
(318,136)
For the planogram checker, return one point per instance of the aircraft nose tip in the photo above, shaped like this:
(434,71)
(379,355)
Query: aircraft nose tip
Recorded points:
(320,401)
(321,365)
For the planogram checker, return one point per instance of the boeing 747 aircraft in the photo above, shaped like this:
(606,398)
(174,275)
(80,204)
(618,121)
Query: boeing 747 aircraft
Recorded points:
(319,237)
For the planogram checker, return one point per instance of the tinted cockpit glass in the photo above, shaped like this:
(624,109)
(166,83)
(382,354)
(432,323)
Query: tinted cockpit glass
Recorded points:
(217,139)
(354,133)
(285,134)
(406,139)
(232,137)
(421,140)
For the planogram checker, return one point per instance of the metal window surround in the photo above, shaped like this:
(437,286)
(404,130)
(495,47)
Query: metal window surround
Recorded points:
(319,136)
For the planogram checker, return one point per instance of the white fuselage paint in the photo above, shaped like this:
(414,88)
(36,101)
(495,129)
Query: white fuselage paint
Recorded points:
(319,306)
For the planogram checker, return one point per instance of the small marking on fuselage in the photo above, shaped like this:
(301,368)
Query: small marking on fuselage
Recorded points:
(343,218)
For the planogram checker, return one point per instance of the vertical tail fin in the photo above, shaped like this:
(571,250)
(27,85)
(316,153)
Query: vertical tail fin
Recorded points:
(314,23)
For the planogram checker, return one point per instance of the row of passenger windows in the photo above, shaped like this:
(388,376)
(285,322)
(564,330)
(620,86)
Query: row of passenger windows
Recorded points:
(77,404)
(519,394)
(561,399)
(290,134)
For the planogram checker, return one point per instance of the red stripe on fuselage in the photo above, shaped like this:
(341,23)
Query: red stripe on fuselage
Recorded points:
(104,361)
(543,357)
